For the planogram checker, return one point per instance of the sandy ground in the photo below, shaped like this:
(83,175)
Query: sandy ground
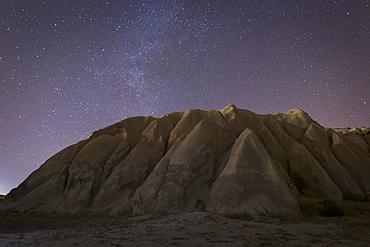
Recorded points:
(194,229)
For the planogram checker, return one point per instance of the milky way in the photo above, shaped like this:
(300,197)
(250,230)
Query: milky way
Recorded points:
(68,68)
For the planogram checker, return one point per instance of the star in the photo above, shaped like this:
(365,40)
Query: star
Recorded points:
(69,68)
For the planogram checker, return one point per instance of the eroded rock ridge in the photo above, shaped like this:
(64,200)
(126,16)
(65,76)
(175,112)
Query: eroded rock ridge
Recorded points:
(230,161)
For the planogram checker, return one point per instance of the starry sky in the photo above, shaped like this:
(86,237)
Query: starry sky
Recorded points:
(68,68)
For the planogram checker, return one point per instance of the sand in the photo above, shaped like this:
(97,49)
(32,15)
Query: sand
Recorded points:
(194,229)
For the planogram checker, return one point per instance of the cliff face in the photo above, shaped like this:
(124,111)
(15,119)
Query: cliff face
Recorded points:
(231,162)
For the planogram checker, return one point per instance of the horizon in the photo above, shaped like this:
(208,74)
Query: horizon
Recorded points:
(4,193)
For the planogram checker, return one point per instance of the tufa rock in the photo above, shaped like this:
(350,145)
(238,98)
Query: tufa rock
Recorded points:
(231,162)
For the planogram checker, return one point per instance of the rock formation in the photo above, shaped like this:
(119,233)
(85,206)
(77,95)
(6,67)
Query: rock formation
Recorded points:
(230,162)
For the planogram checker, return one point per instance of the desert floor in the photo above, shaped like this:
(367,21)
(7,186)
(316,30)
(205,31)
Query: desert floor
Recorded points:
(188,229)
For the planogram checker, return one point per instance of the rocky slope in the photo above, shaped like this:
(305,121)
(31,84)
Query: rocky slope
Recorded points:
(231,162)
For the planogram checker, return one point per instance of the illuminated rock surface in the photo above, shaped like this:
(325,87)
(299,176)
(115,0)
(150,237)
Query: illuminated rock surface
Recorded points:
(230,162)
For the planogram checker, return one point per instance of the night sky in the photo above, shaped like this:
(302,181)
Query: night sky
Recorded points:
(68,68)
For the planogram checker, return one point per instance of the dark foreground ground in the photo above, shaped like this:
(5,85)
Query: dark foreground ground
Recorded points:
(189,229)
(193,229)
